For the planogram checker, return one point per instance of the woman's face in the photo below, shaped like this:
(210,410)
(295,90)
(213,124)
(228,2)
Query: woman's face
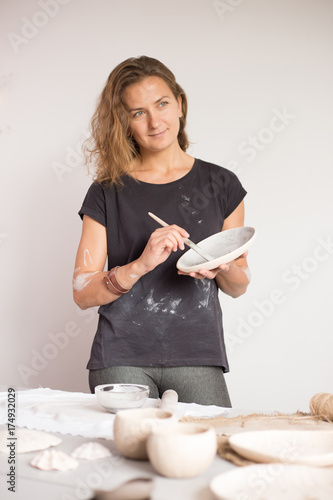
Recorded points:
(154,114)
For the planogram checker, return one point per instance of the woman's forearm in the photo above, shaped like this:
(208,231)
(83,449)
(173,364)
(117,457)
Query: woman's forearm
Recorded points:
(89,289)
(235,280)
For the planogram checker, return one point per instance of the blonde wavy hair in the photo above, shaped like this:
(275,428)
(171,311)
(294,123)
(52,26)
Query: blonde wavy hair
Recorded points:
(110,148)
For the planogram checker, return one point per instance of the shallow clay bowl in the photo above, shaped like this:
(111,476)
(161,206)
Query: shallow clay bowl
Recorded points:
(313,448)
(224,247)
(115,397)
(273,482)
(132,428)
(181,450)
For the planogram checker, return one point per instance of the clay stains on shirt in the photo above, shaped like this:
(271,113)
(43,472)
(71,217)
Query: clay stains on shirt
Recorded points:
(165,305)
(204,287)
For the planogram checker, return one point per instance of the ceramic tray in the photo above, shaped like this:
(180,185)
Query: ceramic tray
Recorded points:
(224,247)
(274,482)
(313,448)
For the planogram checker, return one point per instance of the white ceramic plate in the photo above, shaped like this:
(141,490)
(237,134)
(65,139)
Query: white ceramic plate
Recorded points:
(313,448)
(224,247)
(274,482)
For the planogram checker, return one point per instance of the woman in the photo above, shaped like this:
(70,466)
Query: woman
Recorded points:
(157,326)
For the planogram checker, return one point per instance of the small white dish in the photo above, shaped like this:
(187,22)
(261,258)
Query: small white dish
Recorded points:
(115,397)
(314,448)
(273,482)
(224,247)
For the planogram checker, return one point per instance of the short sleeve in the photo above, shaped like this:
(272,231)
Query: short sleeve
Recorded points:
(94,204)
(235,193)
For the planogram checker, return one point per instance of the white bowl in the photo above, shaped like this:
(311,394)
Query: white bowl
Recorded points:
(132,427)
(314,448)
(181,450)
(224,247)
(273,482)
(115,397)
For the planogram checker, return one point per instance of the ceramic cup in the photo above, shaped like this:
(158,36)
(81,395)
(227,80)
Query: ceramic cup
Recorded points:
(181,450)
(132,428)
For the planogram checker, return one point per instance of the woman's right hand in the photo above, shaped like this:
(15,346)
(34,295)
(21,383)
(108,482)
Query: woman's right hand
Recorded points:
(89,290)
(161,243)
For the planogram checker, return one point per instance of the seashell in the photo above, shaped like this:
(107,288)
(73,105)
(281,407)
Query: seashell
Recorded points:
(29,440)
(54,460)
(91,451)
(321,404)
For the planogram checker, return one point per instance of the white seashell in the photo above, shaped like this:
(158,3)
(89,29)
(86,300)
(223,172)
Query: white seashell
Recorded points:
(91,451)
(54,460)
(29,440)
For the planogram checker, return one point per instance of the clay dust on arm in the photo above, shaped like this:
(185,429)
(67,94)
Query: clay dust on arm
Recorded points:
(88,287)
(89,290)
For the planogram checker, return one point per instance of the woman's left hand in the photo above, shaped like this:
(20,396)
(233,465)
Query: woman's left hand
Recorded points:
(211,274)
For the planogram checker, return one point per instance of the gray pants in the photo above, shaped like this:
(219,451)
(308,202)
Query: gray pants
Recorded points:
(204,385)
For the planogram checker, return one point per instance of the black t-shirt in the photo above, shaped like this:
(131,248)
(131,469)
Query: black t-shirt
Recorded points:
(166,319)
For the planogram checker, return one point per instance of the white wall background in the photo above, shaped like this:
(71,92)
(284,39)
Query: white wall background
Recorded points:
(241,63)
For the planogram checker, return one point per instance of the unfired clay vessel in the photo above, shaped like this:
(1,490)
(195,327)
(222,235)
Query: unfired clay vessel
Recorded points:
(139,488)
(224,247)
(132,428)
(313,448)
(273,482)
(181,450)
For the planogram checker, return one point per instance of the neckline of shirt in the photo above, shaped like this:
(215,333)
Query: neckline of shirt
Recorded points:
(172,183)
